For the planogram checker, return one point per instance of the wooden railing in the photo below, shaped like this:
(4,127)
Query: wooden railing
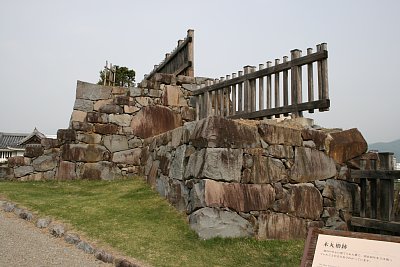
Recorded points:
(376,193)
(271,90)
(178,62)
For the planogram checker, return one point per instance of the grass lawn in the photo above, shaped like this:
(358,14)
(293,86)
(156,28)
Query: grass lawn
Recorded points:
(130,217)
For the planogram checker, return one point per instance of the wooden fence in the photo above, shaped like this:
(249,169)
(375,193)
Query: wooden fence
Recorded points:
(377,194)
(265,92)
(178,62)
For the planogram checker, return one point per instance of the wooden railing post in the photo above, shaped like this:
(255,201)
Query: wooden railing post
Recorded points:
(296,81)
(269,85)
(310,80)
(190,51)
(252,91)
(233,95)
(386,191)
(227,98)
(363,191)
(261,89)
(240,94)
(247,95)
(276,86)
(285,85)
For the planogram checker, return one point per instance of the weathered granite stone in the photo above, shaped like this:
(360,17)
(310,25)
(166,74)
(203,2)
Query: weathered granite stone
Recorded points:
(125,262)
(106,128)
(120,119)
(177,135)
(116,143)
(8,207)
(346,145)
(57,230)
(318,137)
(173,96)
(162,185)
(346,196)
(66,171)
(304,201)
(279,135)
(92,91)
(121,100)
(26,215)
(135,142)
(84,152)
(89,138)
(143,101)
(210,222)
(134,91)
(240,197)
(104,256)
(97,117)
(43,222)
(281,152)
(280,226)
(44,163)
(131,156)
(22,171)
(83,105)
(188,114)
(152,174)
(66,135)
(49,175)
(38,176)
(6,173)
(72,238)
(100,103)
(178,194)
(78,115)
(221,132)
(177,165)
(265,169)
(248,161)
(216,163)
(153,120)
(18,161)
(81,126)
(48,143)
(311,165)
(111,109)
(86,247)
(118,90)
(102,170)
(33,150)
(130,109)
(197,196)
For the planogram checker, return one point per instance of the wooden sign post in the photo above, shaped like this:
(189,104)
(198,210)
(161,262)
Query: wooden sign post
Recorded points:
(331,248)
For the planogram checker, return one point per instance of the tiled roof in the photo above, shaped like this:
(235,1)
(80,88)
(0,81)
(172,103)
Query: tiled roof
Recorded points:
(11,139)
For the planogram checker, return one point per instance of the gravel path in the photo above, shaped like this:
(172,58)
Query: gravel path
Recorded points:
(22,244)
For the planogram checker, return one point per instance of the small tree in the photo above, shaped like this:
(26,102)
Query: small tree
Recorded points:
(123,76)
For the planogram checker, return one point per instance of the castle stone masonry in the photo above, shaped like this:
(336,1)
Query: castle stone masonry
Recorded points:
(233,178)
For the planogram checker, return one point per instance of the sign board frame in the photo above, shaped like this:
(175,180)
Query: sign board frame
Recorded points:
(312,239)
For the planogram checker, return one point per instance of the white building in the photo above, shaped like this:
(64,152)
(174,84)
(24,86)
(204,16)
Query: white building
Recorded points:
(13,144)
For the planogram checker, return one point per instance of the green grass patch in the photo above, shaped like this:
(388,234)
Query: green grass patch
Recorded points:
(131,218)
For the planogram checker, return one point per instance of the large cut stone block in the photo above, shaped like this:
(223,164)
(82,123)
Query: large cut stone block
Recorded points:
(311,165)
(78,116)
(221,132)
(88,138)
(240,197)
(66,171)
(120,119)
(84,152)
(131,156)
(346,145)
(97,117)
(304,200)
(83,105)
(266,169)
(318,137)
(116,143)
(221,164)
(33,150)
(45,163)
(18,161)
(22,171)
(106,128)
(153,120)
(102,170)
(173,96)
(280,226)
(177,165)
(279,135)
(66,135)
(210,222)
(346,196)
(92,91)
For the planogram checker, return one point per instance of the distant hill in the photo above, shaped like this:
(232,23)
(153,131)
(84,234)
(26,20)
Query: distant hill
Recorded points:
(393,146)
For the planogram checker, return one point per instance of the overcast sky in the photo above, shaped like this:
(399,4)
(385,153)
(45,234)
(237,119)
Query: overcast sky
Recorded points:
(46,46)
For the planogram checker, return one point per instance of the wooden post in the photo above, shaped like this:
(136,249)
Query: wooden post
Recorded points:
(296,82)
(269,85)
(253,91)
(386,188)
(228,98)
(221,98)
(240,94)
(210,100)
(310,80)
(285,85)
(246,89)
(276,86)
(363,192)
(261,89)
(190,51)
(319,67)
(216,99)
(233,95)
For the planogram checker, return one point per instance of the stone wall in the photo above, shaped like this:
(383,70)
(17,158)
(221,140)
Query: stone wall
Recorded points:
(232,177)
(264,179)
(107,127)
